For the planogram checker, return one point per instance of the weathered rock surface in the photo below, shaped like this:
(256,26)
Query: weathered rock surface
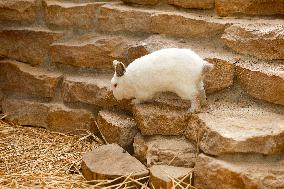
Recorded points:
(236,124)
(119,17)
(264,81)
(249,7)
(93,90)
(193,4)
(142,2)
(20,78)
(239,172)
(167,150)
(117,127)
(53,116)
(18,10)
(185,25)
(153,119)
(69,14)
(90,51)
(27,44)
(265,41)
(109,162)
(161,176)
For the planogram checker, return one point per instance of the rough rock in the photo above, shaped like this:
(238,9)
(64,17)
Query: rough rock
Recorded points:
(29,45)
(185,25)
(23,79)
(239,172)
(109,162)
(90,51)
(117,127)
(167,150)
(264,81)
(265,41)
(117,17)
(63,119)
(93,90)
(142,2)
(18,10)
(153,119)
(161,176)
(237,124)
(249,7)
(69,14)
(193,4)
(53,116)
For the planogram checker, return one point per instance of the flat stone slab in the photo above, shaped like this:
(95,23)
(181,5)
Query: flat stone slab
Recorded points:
(239,172)
(262,80)
(161,176)
(234,123)
(193,4)
(53,116)
(30,45)
(262,40)
(109,162)
(165,150)
(22,79)
(117,127)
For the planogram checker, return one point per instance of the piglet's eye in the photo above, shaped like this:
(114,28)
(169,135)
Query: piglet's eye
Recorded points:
(115,85)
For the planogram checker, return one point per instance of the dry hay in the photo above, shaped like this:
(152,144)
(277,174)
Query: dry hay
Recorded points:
(36,158)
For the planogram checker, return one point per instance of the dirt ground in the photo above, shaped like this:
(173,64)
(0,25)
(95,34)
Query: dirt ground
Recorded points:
(36,158)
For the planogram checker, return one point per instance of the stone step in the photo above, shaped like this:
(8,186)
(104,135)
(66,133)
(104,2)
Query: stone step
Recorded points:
(21,79)
(22,11)
(53,116)
(262,80)
(110,162)
(165,150)
(92,50)
(162,176)
(193,4)
(168,20)
(264,41)
(117,127)
(239,172)
(71,14)
(249,7)
(30,45)
(234,123)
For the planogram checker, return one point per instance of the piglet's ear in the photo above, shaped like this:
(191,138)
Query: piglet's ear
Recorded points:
(119,68)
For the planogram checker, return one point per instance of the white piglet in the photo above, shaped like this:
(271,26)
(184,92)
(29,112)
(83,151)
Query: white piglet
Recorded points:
(175,70)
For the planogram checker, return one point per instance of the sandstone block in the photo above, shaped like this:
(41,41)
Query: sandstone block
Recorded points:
(239,172)
(116,17)
(109,162)
(29,45)
(90,51)
(166,150)
(22,79)
(249,7)
(264,81)
(53,116)
(184,25)
(264,41)
(161,176)
(117,127)
(193,4)
(69,14)
(237,125)
(153,119)
(18,10)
